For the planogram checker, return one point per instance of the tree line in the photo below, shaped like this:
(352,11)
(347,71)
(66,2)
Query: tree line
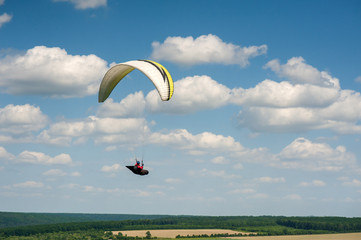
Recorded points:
(263,225)
(14,219)
(335,224)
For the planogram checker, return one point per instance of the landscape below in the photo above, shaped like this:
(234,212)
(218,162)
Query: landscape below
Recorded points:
(100,226)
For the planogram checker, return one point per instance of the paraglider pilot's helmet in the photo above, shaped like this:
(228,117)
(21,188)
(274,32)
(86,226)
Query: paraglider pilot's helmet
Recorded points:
(138,162)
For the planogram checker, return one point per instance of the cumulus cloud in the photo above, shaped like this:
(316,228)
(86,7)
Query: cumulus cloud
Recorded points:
(269,93)
(204,49)
(298,71)
(111,169)
(210,173)
(220,160)
(21,119)
(85,4)
(314,183)
(353,183)
(271,180)
(259,196)
(29,184)
(263,119)
(5,155)
(310,156)
(310,100)
(345,110)
(5,18)
(51,72)
(55,173)
(172,180)
(43,159)
(193,94)
(270,106)
(101,130)
(202,143)
(341,116)
(243,191)
(131,106)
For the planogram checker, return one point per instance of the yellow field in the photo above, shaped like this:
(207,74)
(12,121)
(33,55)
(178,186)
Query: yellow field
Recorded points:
(184,232)
(340,236)
(172,233)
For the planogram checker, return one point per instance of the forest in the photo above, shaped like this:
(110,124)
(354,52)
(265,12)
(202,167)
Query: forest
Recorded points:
(95,226)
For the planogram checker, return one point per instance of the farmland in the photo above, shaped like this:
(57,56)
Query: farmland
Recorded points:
(339,236)
(94,226)
(173,233)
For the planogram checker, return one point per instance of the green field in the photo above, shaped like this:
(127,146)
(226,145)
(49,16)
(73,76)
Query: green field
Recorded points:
(98,226)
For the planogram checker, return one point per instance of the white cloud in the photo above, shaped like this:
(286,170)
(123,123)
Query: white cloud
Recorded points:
(209,173)
(269,106)
(312,101)
(192,94)
(110,148)
(172,180)
(314,183)
(51,72)
(102,130)
(142,193)
(131,106)
(269,93)
(220,160)
(243,191)
(272,106)
(75,174)
(203,143)
(21,119)
(271,180)
(204,49)
(5,18)
(259,196)
(29,184)
(36,158)
(112,169)
(310,156)
(41,158)
(341,116)
(5,155)
(264,119)
(55,173)
(344,113)
(353,183)
(85,4)
(299,72)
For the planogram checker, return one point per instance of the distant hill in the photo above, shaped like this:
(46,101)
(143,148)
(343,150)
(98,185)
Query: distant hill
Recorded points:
(15,219)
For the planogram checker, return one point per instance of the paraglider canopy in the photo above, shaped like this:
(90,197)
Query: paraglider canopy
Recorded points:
(158,74)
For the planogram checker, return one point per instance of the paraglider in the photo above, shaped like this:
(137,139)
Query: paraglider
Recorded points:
(158,74)
(138,168)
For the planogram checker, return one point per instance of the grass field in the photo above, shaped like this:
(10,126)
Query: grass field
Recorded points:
(184,232)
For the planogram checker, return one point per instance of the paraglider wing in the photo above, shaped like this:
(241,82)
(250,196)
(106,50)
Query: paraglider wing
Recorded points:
(158,74)
(138,171)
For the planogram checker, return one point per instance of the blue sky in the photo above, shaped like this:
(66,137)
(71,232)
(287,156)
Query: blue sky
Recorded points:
(265,117)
